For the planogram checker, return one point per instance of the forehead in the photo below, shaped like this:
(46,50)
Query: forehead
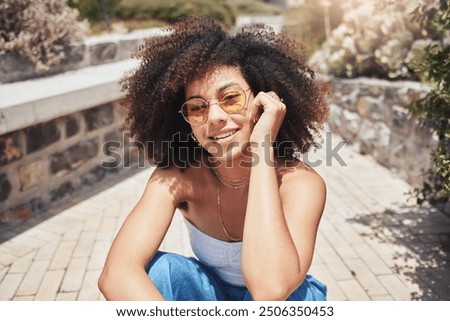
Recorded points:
(214,79)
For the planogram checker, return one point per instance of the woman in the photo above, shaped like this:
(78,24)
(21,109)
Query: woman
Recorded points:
(222,116)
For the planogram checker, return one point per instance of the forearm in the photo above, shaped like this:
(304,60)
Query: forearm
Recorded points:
(128,284)
(270,259)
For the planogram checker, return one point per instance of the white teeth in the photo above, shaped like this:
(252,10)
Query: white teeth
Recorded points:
(224,135)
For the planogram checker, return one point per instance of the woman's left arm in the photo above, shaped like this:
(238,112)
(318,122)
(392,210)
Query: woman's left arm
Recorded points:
(281,222)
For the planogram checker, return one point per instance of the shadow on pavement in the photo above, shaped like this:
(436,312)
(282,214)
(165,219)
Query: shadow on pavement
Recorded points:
(417,239)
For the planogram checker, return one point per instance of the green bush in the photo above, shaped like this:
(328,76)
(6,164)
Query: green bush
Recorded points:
(38,30)
(434,109)
(172,10)
(92,9)
(254,7)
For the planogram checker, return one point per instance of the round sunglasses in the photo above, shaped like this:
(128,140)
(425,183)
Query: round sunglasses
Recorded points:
(231,99)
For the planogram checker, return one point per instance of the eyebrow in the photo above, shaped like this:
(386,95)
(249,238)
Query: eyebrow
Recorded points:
(221,88)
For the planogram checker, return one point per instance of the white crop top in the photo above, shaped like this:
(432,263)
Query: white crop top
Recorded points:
(224,258)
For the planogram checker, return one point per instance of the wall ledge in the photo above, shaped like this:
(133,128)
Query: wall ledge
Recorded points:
(30,102)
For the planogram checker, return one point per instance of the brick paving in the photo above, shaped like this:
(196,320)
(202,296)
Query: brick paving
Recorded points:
(373,242)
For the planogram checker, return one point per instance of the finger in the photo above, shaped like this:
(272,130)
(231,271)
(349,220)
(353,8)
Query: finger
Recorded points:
(274,95)
(262,102)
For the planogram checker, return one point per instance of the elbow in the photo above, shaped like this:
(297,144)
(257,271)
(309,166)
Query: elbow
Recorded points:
(101,282)
(105,282)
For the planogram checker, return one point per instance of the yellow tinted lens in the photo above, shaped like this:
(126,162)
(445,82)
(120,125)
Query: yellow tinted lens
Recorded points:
(232,99)
(195,110)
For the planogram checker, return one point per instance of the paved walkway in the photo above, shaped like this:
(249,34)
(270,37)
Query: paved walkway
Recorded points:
(373,243)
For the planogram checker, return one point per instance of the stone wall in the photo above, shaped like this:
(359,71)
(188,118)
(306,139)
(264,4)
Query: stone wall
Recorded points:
(50,162)
(372,114)
(93,51)
(56,131)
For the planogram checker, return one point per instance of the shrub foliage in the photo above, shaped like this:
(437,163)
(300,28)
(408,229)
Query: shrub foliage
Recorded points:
(38,30)
(435,107)
(172,10)
(92,9)
(375,39)
(163,10)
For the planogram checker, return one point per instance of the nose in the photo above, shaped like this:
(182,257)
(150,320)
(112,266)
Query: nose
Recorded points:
(216,114)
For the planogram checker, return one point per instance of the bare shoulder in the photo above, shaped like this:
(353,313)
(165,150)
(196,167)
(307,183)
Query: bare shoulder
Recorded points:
(295,176)
(178,182)
(171,181)
(167,176)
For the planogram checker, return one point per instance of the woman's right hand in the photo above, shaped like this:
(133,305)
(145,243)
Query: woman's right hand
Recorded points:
(267,111)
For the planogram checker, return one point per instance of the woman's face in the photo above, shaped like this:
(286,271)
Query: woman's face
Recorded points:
(223,134)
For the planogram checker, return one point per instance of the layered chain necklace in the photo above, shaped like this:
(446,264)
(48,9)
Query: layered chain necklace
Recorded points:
(232,183)
(235,184)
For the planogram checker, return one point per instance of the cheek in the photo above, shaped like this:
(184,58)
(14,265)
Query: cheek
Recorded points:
(247,127)
(197,133)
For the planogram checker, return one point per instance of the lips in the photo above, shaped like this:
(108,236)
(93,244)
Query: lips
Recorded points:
(223,135)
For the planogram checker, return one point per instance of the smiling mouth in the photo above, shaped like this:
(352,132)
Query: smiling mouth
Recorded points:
(224,135)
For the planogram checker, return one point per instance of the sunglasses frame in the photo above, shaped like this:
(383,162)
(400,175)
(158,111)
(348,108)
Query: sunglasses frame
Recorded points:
(207,101)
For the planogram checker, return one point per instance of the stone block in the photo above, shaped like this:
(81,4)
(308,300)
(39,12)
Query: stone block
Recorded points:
(74,53)
(375,90)
(422,133)
(397,151)
(22,211)
(372,90)
(349,103)
(343,87)
(417,161)
(101,53)
(335,118)
(10,148)
(95,175)
(374,140)
(401,120)
(14,68)
(41,135)
(409,159)
(351,123)
(32,175)
(99,116)
(62,163)
(62,191)
(373,108)
(391,95)
(72,126)
(5,187)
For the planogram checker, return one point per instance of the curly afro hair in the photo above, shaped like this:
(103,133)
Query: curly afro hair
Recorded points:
(268,61)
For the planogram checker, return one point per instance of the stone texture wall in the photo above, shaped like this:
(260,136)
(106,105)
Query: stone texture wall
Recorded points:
(49,162)
(94,51)
(372,114)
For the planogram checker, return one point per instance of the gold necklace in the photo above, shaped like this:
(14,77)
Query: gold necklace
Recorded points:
(221,220)
(219,211)
(232,183)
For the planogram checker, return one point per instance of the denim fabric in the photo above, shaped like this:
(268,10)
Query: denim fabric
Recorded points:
(181,278)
